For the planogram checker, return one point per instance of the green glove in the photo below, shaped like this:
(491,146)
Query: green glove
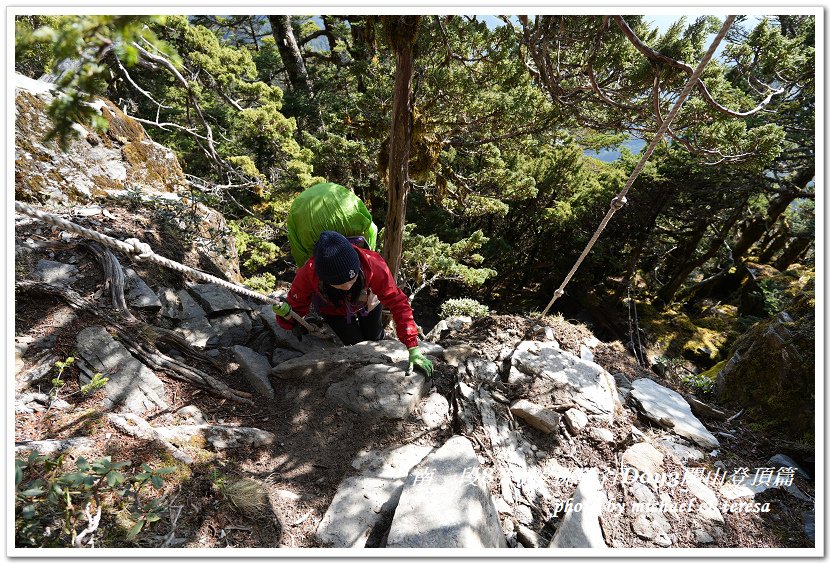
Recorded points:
(418,360)
(283,310)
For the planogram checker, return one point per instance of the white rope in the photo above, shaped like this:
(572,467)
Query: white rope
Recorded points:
(138,250)
(620,199)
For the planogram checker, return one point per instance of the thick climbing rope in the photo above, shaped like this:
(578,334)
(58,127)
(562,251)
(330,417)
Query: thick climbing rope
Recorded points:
(620,200)
(140,251)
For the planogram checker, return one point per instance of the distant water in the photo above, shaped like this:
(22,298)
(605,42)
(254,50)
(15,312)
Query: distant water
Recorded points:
(610,155)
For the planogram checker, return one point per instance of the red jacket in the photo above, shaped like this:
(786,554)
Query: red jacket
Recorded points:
(379,281)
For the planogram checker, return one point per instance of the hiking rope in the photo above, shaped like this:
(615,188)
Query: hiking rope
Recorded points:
(620,200)
(140,251)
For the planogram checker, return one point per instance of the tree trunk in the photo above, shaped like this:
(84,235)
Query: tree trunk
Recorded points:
(290,54)
(760,224)
(779,240)
(669,290)
(401,32)
(298,79)
(791,253)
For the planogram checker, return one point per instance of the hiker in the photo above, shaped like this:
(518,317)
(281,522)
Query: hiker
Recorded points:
(349,286)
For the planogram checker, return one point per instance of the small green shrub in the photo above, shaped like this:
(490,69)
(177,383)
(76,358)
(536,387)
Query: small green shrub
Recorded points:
(98,381)
(263,283)
(59,508)
(459,307)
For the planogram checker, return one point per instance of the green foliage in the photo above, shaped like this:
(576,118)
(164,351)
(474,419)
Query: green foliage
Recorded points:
(97,382)
(463,307)
(263,283)
(254,251)
(427,259)
(54,506)
(77,46)
(57,382)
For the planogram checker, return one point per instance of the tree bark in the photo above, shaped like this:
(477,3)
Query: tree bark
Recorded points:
(402,31)
(791,253)
(290,54)
(687,266)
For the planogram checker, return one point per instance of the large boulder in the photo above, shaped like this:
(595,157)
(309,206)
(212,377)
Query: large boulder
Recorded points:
(446,502)
(771,374)
(119,163)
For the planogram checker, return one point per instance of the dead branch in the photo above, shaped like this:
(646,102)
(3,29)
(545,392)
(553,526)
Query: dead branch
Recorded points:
(660,58)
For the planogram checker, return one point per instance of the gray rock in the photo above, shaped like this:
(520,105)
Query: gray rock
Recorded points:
(582,528)
(256,369)
(281,355)
(643,457)
(576,420)
(564,377)
(447,325)
(810,525)
(586,354)
(652,525)
(601,435)
(190,414)
(138,293)
(435,410)
(232,329)
(446,503)
(132,385)
(622,381)
(709,514)
(528,537)
(170,303)
(55,273)
(188,307)
(458,354)
(483,370)
(390,463)
(380,390)
(219,437)
(781,460)
(679,451)
(50,447)
(216,300)
(362,508)
(428,348)
(703,537)
(668,408)
(321,362)
(198,332)
(699,489)
(543,419)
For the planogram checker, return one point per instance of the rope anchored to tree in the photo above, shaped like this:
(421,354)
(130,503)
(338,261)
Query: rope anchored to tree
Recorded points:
(141,251)
(620,199)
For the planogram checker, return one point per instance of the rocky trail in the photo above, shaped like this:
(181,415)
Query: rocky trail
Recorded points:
(523,439)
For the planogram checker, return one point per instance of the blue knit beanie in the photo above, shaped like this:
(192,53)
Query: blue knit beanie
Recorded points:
(335,259)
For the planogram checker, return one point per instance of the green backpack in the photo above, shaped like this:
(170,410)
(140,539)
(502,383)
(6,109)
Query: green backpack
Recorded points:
(327,207)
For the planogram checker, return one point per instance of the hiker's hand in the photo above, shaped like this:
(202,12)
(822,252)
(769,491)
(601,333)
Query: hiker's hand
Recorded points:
(418,360)
(299,331)
(283,310)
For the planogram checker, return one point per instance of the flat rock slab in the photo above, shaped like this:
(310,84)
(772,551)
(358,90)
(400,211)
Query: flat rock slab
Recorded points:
(435,410)
(483,370)
(446,503)
(362,508)
(390,463)
(256,369)
(565,378)
(50,447)
(132,385)
(217,436)
(216,300)
(536,416)
(669,409)
(138,294)
(380,390)
(320,362)
(280,355)
(198,332)
(643,457)
(582,528)
(680,452)
(55,273)
(232,329)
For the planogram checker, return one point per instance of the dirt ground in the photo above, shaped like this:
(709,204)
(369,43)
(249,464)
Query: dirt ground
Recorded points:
(317,441)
